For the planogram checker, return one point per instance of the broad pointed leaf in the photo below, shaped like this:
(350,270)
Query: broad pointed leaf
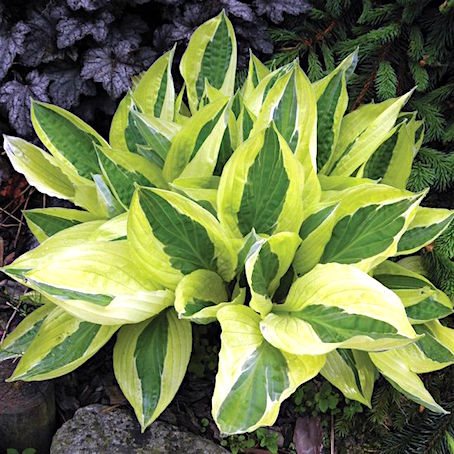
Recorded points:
(337,306)
(40,168)
(256,72)
(45,222)
(267,262)
(332,100)
(355,145)
(61,345)
(150,361)
(254,377)
(97,281)
(17,342)
(261,187)
(427,225)
(172,236)
(70,140)
(357,230)
(422,300)
(401,366)
(352,372)
(211,55)
(155,93)
(195,148)
(198,290)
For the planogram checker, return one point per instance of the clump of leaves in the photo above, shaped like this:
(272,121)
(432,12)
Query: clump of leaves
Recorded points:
(262,438)
(267,210)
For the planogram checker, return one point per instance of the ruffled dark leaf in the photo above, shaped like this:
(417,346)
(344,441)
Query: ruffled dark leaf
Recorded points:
(67,85)
(275,10)
(114,67)
(99,109)
(16,96)
(88,5)
(40,44)
(238,9)
(11,44)
(120,59)
(73,29)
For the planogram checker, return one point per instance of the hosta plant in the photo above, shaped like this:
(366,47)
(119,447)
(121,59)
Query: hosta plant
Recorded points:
(262,206)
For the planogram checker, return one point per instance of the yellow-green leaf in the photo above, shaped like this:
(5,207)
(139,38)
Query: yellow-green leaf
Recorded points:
(61,345)
(253,377)
(352,372)
(17,342)
(150,361)
(261,187)
(211,55)
(337,306)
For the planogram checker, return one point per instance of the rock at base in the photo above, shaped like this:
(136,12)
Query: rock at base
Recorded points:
(27,413)
(102,429)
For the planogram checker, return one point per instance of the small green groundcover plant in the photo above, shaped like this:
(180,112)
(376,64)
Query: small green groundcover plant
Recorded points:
(264,207)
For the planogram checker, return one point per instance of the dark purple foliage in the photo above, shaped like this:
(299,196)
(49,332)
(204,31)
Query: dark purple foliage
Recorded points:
(11,44)
(16,95)
(82,54)
(276,10)
(67,84)
(73,29)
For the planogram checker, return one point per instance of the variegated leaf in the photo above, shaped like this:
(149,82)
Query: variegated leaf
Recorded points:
(367,232)
(111,230)
(209,314)
(362,132)
(426,226)
(122,181)
(361,231)
(392,160)
(422,300)
(17,342)
(211,55)
(155,135)
(352,372)
(44,172)
(261,187)
(107,202)
(172,236)
(96,281)
(291,104)
(434,351)
(255,99)
(195,148)
(150,361)
(45,222)
(40,168)
(267,262)
(198,290)
(62,344)
(182,112)
(339,183)
(203,190)
(154,93)
(332,99)
(70,140)
(257,71)
(254,377)
(245,124)
(119,123)
(337,306)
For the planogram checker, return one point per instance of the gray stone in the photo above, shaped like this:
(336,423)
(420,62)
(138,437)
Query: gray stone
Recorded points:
(98,429)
